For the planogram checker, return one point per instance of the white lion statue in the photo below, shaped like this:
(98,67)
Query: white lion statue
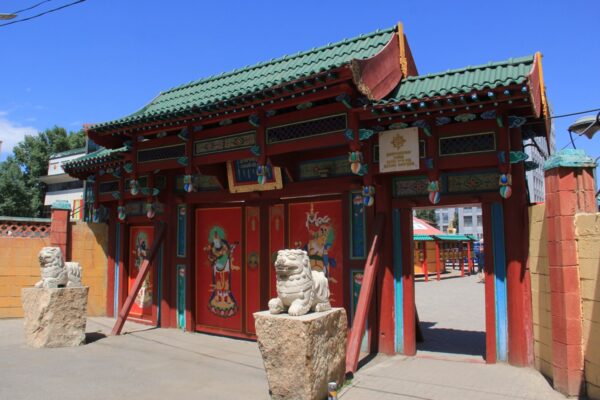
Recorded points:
(299,289)
(55,273)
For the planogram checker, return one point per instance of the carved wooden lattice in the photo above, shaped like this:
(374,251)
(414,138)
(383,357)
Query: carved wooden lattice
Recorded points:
(25,229)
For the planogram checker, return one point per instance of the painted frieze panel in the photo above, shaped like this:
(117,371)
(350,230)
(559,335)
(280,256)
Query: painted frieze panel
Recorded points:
(226,143)
(140,241)
(202,183)
(161,153)
(469,183)
(242,176)
(305,129)
(325,168)
(410,186)
(218,262)
(317,227)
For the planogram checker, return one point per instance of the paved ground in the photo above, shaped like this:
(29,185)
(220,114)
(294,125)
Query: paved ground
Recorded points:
(149,363)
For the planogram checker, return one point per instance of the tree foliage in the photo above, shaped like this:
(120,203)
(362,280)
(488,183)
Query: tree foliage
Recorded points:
(21,192)
(427,215)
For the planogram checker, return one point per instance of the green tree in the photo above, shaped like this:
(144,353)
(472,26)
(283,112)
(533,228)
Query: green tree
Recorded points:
(428,215)
(31,156)
(13,189)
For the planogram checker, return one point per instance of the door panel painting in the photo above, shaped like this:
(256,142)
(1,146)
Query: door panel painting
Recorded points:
(317,228)
(140,241)
(218,263)
(252,265)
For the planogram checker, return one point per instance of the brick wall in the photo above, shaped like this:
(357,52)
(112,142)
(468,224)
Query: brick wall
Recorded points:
(540,290)
(19,266)
(588,246)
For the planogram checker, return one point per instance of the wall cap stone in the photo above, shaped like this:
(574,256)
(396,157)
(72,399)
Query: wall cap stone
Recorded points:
(572,158)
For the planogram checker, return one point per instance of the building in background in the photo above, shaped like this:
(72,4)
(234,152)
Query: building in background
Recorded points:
(466,220)
(61,186)
(538,149)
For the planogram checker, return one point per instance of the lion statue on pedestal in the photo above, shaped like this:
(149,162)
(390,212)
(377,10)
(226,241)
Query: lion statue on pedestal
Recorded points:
(56,273)
(299,290)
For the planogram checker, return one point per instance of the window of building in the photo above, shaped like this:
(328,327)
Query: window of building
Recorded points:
(468,221)
(479,220)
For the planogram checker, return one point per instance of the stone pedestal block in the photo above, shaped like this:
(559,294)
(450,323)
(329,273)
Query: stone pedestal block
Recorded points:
(302,354)
(54,317)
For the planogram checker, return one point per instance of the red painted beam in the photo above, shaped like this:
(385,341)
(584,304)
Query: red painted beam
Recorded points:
(139,280)
(365,297)
(437,260)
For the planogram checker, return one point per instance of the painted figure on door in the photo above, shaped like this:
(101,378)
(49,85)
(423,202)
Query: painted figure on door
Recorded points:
(320,239)
(220,255)
(144,296)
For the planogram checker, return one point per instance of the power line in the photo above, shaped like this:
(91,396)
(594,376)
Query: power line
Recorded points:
(41,14)
(32,7)
(575,113)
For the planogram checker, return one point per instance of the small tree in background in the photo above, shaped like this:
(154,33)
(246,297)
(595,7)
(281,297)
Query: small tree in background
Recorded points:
(21,192)
(427,215)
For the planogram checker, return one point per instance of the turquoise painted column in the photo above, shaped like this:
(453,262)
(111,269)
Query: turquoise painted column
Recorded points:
(398,289)
(500,281)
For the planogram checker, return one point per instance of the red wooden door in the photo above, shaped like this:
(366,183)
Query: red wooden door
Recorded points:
(219,265)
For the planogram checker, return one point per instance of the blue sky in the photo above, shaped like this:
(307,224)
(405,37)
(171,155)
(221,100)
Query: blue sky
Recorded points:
(103,59)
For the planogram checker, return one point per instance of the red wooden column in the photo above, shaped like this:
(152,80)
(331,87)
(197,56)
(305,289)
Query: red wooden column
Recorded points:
(425,272)
(518,284)
(59,227)
(408,282)
(385,281)
(569,189)
(437,259)
(469,259)
(461,259)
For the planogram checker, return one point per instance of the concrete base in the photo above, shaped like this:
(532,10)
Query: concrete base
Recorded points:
(54,317)
(302,354)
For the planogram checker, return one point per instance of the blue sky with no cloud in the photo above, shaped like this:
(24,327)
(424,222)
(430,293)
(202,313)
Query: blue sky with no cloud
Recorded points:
(103,59)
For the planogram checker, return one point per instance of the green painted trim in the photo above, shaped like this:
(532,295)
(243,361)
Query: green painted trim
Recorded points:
(569,158)
(67,153)
(422,238)
(24,219)
(455,238)
(61,205)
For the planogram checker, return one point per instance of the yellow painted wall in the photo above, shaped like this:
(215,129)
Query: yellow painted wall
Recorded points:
(90,249)
(540,289)
(19,266)
(588,247)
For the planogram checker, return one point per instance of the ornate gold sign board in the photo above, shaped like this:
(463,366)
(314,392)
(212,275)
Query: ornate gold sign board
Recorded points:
(399,150)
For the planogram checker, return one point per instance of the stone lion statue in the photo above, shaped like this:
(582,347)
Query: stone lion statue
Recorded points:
(299,289)
(55,273)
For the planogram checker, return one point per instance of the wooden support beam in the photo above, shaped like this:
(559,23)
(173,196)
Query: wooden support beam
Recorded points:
(139,280)
(364,298)
(437,260)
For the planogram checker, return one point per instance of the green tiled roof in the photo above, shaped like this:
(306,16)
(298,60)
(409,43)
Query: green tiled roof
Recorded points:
(463,80)
(456,238)
(97,157)
(252,79)
(66,153)
(421,238)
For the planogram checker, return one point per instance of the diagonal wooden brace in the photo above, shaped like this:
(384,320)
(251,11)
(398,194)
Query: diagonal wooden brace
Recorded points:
(143,272)
(364,298)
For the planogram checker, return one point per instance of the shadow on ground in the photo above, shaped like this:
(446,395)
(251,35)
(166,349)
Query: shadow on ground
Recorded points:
(443,340)
(91,337)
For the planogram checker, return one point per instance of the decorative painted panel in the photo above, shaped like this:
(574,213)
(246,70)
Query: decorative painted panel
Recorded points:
(226,143)
(242,177)
(276,242)
(181,230)
(140,241)
(137,208)
(469,183)
(252,265)
(358,230)
(410,186)
(317,227)
(325,168)
(218,263)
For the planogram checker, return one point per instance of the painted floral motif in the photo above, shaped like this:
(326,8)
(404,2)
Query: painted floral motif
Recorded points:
(220,255)
(465,117)
(144,296)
